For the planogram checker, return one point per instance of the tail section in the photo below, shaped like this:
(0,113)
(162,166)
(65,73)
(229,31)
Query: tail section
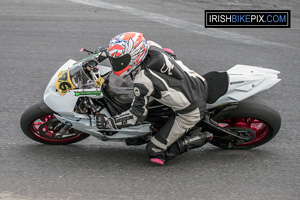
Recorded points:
(246,81)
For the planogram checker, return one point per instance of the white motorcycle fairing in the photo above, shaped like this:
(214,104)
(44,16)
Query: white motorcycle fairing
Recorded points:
(244,82)
(64,106)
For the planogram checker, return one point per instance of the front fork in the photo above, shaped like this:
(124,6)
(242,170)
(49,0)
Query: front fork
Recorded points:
(63,131)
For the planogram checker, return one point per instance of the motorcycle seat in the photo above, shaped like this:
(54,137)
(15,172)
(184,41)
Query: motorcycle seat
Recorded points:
(217,83)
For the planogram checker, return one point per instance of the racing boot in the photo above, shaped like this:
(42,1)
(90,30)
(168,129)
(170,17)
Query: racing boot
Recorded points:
(196,139)
(156,154)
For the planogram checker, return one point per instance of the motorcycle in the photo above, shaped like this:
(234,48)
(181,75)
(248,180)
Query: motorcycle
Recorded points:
(81,89)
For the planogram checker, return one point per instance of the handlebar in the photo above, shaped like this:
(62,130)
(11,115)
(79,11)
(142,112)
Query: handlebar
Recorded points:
(88,51)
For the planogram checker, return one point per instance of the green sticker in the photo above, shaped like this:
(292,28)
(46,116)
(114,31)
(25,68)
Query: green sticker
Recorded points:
(87,58)
(97,93)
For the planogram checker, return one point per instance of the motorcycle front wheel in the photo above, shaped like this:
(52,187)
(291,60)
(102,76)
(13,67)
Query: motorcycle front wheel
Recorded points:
(40,124)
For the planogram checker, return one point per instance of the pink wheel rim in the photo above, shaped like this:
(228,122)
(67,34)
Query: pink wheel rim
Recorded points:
(34,130)
(260,128)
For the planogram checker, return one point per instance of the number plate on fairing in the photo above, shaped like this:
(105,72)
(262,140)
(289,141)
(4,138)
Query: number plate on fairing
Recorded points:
(63,82)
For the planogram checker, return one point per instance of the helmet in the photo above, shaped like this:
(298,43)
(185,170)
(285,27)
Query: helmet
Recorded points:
(126,51)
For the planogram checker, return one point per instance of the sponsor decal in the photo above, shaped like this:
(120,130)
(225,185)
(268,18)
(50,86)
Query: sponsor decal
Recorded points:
(156,150)
(78,93)
(124,120)
(236,82)
(68,123)
(136,91)
(165,68)
(247,18)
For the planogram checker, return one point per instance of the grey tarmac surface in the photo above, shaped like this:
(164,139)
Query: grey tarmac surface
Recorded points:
(37,37)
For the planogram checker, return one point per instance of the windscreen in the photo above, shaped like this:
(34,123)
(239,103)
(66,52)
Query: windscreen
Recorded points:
(80,78)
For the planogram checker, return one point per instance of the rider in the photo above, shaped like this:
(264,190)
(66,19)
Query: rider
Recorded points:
(169,82)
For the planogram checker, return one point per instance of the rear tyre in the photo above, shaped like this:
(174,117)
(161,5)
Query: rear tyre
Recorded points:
(39,125)
(259,122)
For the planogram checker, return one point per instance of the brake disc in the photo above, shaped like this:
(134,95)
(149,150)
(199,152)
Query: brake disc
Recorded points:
(249,133)
(46,129)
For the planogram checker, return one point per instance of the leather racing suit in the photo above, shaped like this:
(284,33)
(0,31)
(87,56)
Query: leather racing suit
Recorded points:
(171,83)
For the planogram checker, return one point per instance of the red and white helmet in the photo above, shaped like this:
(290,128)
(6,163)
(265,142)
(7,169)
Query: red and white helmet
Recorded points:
(126,51)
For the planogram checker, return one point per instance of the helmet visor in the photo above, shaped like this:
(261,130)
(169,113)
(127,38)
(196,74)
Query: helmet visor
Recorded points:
(120,63)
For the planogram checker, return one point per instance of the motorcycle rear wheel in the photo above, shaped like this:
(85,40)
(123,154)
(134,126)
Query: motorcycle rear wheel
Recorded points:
(261,121)
(35,117)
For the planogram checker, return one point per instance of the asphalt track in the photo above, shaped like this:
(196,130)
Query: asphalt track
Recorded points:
(36,37)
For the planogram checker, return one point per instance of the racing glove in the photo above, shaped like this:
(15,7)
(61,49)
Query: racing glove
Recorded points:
(103,122)
(102,54)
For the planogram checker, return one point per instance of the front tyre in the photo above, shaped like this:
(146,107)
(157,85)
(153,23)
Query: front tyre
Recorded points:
(39,124)
(255,120)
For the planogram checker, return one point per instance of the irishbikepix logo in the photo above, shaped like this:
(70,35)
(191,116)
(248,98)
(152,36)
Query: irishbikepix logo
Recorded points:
(247,19)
